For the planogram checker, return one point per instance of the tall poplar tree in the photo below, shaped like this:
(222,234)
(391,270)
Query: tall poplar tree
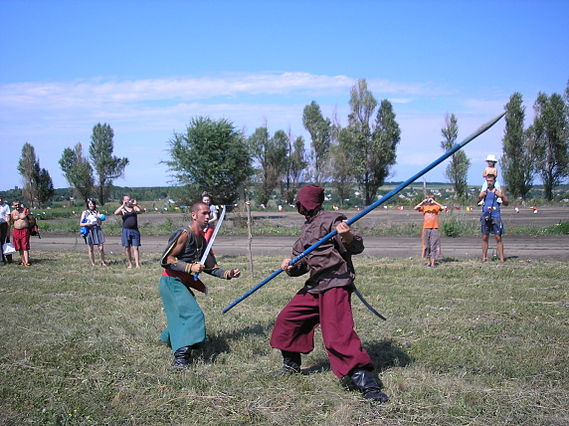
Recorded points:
(320,129)
(518,166)
(38,186)
(296,165)
(107,166)
(371,146)
(457,168)
(270,153)
(550,138)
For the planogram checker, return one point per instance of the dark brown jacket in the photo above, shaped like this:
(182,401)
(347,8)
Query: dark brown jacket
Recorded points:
(330,265)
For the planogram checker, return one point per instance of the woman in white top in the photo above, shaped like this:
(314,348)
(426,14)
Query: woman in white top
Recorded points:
(91,220)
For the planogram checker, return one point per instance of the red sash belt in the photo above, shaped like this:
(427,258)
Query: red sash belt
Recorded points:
(187,279)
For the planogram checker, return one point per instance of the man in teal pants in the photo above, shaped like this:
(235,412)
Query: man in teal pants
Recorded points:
(186,322)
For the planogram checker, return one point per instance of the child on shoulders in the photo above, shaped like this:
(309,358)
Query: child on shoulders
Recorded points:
(490,170)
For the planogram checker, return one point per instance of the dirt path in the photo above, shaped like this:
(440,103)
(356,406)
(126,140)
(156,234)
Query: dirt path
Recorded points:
(521,247)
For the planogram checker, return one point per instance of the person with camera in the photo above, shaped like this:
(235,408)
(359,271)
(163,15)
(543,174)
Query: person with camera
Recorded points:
(4,229)
(490,218)
(430,238)
(91,219)
(130,235)
(21,232)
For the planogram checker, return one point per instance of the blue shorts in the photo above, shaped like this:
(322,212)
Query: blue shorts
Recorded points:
(130,237)
(493,225)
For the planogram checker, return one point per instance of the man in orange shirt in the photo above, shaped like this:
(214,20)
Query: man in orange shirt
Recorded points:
(431,241)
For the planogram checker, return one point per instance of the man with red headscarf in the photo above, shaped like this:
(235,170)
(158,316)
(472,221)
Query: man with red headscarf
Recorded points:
(325,299)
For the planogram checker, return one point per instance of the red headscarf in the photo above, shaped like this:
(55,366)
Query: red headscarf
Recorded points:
(309,200)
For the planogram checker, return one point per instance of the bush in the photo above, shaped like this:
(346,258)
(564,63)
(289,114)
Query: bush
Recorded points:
(458,226)
(559,228)
(452,229)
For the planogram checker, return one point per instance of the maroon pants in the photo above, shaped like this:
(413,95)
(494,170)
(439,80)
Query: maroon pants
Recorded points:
(295,325)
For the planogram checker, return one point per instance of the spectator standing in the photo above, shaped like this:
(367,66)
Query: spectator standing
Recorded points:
(130,235)
(21,232)
(491,217)
(4,228)
(213,216)
(430,239)
(91,219)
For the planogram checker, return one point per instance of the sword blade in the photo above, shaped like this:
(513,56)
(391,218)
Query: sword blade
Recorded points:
(211,240)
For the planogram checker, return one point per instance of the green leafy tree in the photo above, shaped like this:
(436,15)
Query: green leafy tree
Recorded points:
(320,129)
(107,166)
(211,156)
(457,169)
(271,154)
(45,188)
(549,134)
(517,161)
(77,171)
(371,146)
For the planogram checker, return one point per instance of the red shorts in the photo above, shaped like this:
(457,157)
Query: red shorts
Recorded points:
(21,239)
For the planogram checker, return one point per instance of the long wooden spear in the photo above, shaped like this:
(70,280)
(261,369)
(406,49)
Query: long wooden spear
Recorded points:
(371,207)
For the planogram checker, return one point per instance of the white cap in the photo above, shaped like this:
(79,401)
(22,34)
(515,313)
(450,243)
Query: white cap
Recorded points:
(491,157)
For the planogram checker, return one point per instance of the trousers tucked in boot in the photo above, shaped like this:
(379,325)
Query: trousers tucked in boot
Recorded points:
(291,362)
(182,357)
(367,383)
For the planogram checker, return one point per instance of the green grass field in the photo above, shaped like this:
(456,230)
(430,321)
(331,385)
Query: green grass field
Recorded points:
(467,343)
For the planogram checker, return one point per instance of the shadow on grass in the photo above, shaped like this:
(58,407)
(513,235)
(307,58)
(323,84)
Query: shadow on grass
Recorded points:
(217,344)
(449,260)
(384,354)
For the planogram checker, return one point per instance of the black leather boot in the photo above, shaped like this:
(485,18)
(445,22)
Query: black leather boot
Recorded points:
(367,383)
(291,363)
(182,357)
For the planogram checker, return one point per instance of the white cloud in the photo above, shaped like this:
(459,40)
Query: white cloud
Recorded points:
(93,92)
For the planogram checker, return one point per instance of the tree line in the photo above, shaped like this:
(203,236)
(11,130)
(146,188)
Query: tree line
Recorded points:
(213,156)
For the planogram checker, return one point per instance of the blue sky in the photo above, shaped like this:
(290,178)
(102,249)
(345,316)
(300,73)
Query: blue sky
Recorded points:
(147,67)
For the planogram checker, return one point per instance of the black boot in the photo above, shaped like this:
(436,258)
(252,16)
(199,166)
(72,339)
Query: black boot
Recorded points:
(367,383)
(182,357)
(291,363)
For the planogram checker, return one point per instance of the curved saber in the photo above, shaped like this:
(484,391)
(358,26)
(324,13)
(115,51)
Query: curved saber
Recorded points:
(367,305)
(211,240)
(371,207)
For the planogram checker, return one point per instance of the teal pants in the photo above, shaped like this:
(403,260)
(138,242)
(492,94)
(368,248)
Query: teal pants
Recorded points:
(186,321)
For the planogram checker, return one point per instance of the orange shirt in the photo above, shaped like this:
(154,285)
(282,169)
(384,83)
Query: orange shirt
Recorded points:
(431,216)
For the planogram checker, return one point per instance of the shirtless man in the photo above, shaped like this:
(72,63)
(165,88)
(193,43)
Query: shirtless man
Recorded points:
(21,233)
